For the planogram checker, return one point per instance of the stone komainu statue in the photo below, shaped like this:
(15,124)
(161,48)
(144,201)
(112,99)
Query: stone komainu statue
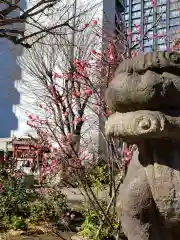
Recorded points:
(145,98)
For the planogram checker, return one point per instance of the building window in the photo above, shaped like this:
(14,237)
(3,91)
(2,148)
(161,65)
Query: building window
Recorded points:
(148,19)
(175,29)
(136,1)
(162,24)
(126,24)
(175,13)
(136,21)
(162,21)
(148,11)
(126,17)
(175,5)
(163,16)
(136,14)
(148,42)
(161,47)
(149,34)
(160,2)
(161,9)
(136,7)
(174,22)
(161,31)
(127,10)
(119,27)
(127,2)
(161,41)
(148,4)
(148,26)
(148,49)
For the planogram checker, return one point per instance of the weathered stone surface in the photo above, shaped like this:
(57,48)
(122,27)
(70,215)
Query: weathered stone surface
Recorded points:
(147,101)
(78,238)
(152,88)
(156,61)
(143,124)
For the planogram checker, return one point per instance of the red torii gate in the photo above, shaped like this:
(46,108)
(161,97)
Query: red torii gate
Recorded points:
(24,149)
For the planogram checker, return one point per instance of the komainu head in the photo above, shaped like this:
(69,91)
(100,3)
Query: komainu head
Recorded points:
(149,81)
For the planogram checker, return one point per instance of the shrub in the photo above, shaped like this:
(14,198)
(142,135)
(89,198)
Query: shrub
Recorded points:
(49,205)
(18,223)
(37,211)
(19,204)
(90,225)
(14,199)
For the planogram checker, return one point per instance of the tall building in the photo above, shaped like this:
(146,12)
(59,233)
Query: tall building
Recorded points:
(9,95)
(158,19)
(12,103)
(112,14)
(9,73)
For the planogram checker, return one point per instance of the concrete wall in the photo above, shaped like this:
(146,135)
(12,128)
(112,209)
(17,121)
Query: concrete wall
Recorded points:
(10,72)
(105,12)
(9,95)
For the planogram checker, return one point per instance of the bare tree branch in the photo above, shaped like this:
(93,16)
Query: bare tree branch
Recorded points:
(42,9)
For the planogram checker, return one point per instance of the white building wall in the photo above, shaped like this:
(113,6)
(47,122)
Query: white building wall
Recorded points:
(104,13)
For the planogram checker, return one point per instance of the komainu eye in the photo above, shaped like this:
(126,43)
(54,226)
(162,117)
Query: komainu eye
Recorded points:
(175,57)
